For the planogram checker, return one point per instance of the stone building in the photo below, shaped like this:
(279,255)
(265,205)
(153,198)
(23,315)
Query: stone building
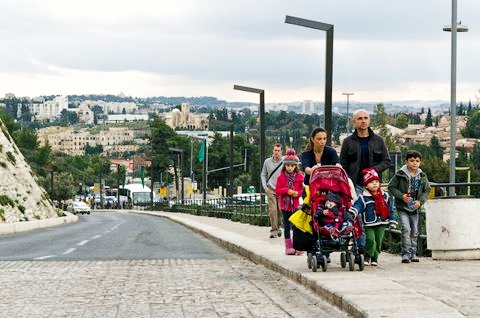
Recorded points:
(73,142)
(182,118)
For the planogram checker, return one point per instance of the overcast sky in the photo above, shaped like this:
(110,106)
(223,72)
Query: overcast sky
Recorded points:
(383,50)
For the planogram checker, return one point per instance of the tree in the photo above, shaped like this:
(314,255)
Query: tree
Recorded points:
(428,120)
(476,155)
(95,150)
(401,120)
(161,138)
(472,128)
(381,125)
(436,147)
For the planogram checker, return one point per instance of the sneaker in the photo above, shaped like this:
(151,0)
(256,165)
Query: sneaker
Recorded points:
(367,261)
(373,263)
(405,259)
(279,233)
(329,260)
(414,259)
(272,235)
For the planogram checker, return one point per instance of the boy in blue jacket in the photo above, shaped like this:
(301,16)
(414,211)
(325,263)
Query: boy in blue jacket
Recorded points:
(374,208)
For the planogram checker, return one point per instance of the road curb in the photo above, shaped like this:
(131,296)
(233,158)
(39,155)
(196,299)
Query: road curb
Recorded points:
(10,228)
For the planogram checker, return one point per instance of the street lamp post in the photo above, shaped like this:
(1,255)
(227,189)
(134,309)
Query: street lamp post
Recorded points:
(348,119)
(261,92)
(178,150)
(453,28)
(328,65)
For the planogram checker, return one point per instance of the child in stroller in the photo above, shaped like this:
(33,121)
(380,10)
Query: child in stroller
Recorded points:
(332,220)
(334,227)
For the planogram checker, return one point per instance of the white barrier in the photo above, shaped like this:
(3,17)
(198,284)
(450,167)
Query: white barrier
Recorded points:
(453,228)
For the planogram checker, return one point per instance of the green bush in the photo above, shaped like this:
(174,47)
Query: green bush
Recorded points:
(4,200)
(11,158)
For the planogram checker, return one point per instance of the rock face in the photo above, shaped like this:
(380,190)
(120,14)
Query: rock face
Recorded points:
(21,198)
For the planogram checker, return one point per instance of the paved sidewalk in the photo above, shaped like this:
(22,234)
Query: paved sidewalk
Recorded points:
(429,288)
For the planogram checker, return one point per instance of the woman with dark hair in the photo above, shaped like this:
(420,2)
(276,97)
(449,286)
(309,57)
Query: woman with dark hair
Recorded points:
(317,153)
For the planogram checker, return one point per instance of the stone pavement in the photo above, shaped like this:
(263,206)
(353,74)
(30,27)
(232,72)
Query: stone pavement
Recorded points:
(429,288)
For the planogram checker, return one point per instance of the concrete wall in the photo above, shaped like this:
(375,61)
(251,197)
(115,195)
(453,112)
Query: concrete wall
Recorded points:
(453,228)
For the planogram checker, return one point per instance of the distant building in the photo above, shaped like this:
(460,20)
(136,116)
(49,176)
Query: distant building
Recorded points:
(113,107)
(182,118)
(85,114)
(49,109)
(73,142)
(120,118)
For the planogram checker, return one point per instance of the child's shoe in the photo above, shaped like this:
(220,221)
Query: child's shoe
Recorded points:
(414,259)
(367,261)
(289,250)
(405,259)
(374,262)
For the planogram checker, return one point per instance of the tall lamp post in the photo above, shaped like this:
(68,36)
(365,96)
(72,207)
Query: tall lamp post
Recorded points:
(178,150)
(261,92)
(328,65)
(348,120)
(453,28)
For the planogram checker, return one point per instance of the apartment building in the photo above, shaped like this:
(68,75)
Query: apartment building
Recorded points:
(49,109)
(73,141)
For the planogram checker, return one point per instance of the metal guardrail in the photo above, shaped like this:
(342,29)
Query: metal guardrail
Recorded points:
(247,209)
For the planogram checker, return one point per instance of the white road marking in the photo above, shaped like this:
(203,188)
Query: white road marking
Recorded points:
(70,250)
(82,242)
(44,257)
(96,236)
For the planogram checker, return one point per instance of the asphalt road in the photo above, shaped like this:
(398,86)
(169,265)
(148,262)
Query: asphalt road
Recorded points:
(110,236)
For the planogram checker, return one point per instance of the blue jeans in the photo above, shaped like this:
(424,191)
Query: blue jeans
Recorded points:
(362,240)
(409,223)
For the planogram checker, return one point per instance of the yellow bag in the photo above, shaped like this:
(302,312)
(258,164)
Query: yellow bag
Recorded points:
(302,221)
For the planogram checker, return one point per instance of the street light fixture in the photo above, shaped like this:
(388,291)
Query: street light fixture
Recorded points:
(261,92)
(262,117)
(328,65)
(348,119)
(178,150)
(453,28)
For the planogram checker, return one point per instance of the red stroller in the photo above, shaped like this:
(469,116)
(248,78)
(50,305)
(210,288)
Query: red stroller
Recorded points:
(324,181)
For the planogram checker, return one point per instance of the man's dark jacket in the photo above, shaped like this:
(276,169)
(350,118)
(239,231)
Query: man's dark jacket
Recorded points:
(351,158)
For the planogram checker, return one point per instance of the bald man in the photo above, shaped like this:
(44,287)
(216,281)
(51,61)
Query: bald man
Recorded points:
(363,149)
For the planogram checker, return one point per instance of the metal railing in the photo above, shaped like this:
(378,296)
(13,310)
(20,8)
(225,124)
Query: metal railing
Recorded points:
(247,209)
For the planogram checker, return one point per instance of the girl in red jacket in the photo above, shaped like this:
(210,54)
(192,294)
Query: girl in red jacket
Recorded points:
(289,189)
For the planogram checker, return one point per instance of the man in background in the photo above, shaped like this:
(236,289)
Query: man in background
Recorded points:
(272,167)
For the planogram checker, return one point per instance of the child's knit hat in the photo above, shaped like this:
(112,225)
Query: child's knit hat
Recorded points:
(291,157)
(369,175)
(331,196)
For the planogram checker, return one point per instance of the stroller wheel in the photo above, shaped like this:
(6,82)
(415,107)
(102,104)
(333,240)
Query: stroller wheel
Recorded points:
(351,261)
(361,265)
(343,259)
(309,260)
(324,263)
(314,263)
